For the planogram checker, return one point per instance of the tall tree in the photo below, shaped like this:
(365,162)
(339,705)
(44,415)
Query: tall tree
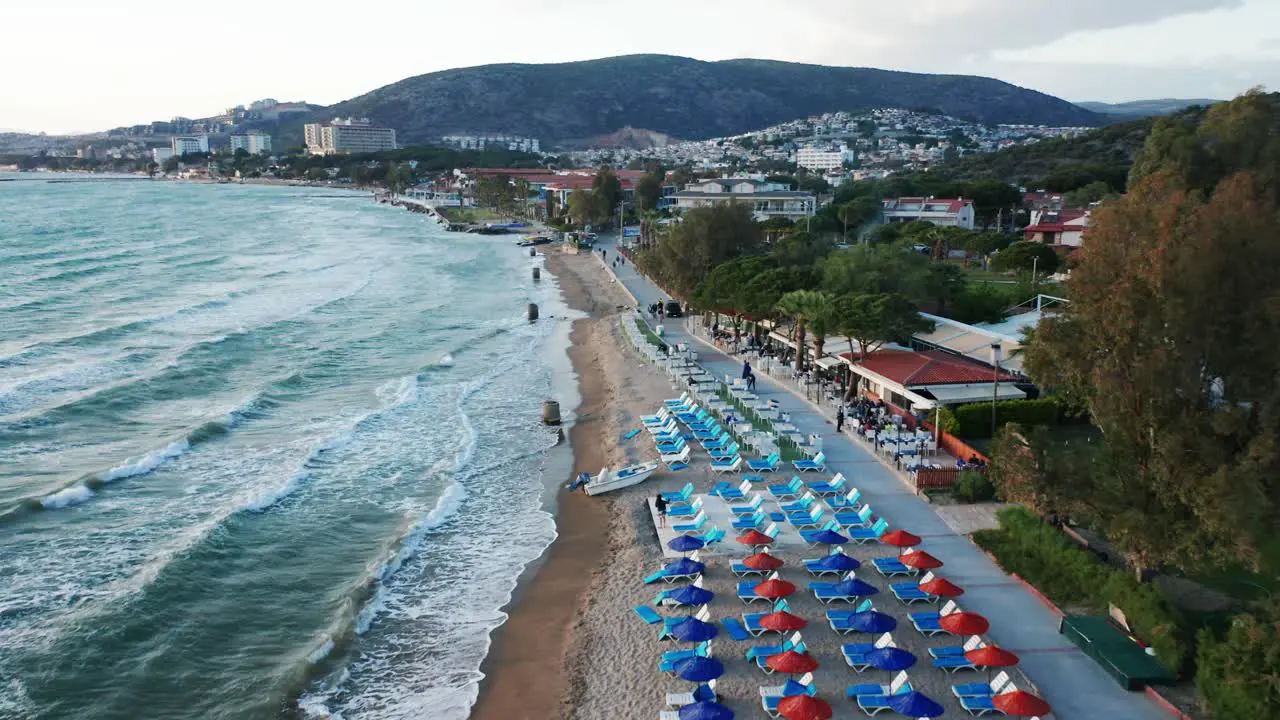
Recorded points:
(607,190)
(705,238)
(871,320)
(582,206)
(805,307)
(649,190)
(877,269)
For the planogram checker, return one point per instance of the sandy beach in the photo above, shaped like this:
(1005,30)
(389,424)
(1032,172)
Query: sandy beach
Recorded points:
(572,647)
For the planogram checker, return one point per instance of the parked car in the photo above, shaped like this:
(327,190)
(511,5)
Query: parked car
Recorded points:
(674,310)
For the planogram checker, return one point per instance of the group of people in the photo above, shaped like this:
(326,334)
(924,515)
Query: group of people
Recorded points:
(973,463)
(657,310)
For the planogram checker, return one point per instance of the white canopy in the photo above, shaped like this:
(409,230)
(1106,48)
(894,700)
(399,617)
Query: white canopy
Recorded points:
(971,392)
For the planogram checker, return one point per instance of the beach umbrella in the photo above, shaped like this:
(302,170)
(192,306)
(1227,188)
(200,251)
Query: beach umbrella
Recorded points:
(782,621)
(916,705)
(870,621)
(991,656)
(1020,704)
(705,711)
(839,562)
(754,538)
(941,587)
(804,707)
(699,669)
(693,630)
(685,543)
(691,595)
(890,658)
(900,538)
(829,537)
(792,662)
(920,560)
(684,566)
(762,561)
(964,623)
(774,588)
(856,587)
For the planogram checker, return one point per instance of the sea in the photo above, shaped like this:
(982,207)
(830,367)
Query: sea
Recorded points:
(265,452)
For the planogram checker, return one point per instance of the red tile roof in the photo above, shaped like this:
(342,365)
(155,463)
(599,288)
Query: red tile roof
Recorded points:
(934,367)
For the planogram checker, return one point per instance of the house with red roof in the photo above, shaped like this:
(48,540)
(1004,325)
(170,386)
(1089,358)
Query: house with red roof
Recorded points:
(925,380)
(950,212)
(1064,228)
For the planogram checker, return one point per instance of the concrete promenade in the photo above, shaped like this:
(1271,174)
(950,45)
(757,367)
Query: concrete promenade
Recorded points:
(1072,683)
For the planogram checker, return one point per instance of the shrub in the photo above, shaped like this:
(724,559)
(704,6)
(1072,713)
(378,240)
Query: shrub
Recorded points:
(1067,574)
(974,419)
(973,487)
(1236,675)
(947,421)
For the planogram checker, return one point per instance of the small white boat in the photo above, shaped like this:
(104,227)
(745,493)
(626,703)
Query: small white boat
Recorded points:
(608,481)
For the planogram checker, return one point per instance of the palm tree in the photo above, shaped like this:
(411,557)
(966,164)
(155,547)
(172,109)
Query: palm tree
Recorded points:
(809,308)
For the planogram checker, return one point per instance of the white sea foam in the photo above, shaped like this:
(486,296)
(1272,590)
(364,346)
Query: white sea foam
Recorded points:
(321,652)
(134,467)
(270,498)
(446,360)
(66,497)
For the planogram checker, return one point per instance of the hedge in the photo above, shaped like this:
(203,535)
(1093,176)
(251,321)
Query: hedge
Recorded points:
(974,420)
(973,487)
(1069,575)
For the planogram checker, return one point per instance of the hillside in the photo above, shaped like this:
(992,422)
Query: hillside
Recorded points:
(568,103)
(1144,108)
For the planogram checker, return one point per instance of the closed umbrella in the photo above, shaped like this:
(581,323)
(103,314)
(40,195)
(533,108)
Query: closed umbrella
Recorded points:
(792,662)
(705,711)
(856,587)
(941,587)
(920,560)
(774,588)
(763,561)
(838,562)
(699,669)
(684,566)
(1021,704)
(828,537)
(685,543)
(754,538)
(870,621)
(693,630)
(782,621)
(691,595)
(900,538)
(804,707)
(915,705)
(964,623)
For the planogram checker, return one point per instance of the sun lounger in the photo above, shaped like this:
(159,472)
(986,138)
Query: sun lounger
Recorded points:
(751,621)
(669,659)
(702,693)
(826,592)
(661,418)
(900,684)
(835,486)
(818,463)
(664,576)
(727,452)
(839,620)
(891,566)
(817,571)
(674,448)
(723,439)
(681,401)
(851,500)
(685,511)
(809,518)
(681,457)
(750,522)
(692,526)
(855,519)
(973,643)
(684,494)
(751,507)
(771,696)
(727,491)
(737,568)
(664,599)
(982,689)
(664,633)
(855,654)
(747,591)
(788,490)
(790,643)
(979,706)
(810,536)
(768,464)
(647,614)
(928,622)
(666,430)
(693,418)
(711,537)
(761,661)
(805,502)
(710,434)
(874,703)
(735,629)
(910,592)
(862,536)
(727,465)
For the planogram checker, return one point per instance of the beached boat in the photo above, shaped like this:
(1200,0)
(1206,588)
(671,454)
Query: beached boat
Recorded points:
(532,240)
(608,481)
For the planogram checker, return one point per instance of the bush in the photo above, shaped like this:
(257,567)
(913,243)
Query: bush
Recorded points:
(973,487)
(947,421)
(1067,574)
(974,419)
(1236,675)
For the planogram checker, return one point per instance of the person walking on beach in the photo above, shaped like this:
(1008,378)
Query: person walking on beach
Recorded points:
(840,419)
(661,506)
(751,382)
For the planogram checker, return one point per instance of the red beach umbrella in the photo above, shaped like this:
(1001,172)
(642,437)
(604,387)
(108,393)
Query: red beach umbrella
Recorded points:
(964,623)
(774,589)
(792,662)
(920,560)
(782,621)
(1021,704)
(763,561)
(754,537)
(900,538)
(941,587)
(804,707)
(991,656)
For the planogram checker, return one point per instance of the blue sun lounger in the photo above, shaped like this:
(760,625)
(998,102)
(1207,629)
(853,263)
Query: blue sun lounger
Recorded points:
(693,526)
(818,463)
(790,643)
(647,614)
(685,511)
(757,500)
(732,450)
(929,623)
(982,689)
(747,589)
(726,465)
(727,491)
(790,489)
(851,500)
(855,519)
(804,503)
(863,536)
(810,536)
(684,494)
(840,622)
(910,592)
(751,621)
(877,701)
(835,486)
(672,448)
(771,697)
(667,663)
(891,566)
(704,614)
(810,518)
(683,400)
(768,464)
(855,654)
(709,434)
(711,537)
(816,570)
(723,439)
(750,522)
(762,661)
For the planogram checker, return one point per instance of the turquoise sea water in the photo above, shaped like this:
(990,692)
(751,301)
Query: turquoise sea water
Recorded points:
(264,452)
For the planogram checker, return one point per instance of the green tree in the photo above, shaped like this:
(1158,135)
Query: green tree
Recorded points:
(980,303)
(649,190)
(1237,674)
(705,238)
(607,191)
(875,270)
(944,284)
(871,320)
(1026,255)
(1093,192)
(858,212)
(809,309)
(583,207)
(171,163)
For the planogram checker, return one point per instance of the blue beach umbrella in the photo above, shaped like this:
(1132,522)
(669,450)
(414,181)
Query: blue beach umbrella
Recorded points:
(829,537)
(854,586)
(684,566)
(871,621)
(699,669)
(890,658)
(685,543)
(691,595)
(916,705)
(705,711)
(838,562)
(693,630)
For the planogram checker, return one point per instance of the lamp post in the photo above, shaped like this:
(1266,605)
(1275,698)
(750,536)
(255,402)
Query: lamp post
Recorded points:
(995,383)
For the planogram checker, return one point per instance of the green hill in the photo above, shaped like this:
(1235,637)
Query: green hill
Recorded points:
(1144,108)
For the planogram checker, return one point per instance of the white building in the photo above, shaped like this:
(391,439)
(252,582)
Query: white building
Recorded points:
(160,154)
(767,200)
(951,212)
(188,144)
(252,143)
(823,160)
(348,136)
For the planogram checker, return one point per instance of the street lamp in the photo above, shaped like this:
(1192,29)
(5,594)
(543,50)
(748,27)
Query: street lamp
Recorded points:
(995,384)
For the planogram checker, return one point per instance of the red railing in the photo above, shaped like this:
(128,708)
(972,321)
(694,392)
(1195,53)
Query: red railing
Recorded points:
(932,479)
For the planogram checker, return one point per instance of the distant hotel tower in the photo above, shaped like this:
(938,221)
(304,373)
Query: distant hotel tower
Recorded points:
(348,136)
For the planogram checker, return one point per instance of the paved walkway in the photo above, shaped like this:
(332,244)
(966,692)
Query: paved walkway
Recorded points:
(1072,683)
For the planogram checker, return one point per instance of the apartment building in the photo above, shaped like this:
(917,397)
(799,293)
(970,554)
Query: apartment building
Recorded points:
(349,135)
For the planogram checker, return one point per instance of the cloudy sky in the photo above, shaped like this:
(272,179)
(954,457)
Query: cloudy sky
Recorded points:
(81,65)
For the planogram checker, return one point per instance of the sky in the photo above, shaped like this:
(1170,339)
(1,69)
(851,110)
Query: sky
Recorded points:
(86,65)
